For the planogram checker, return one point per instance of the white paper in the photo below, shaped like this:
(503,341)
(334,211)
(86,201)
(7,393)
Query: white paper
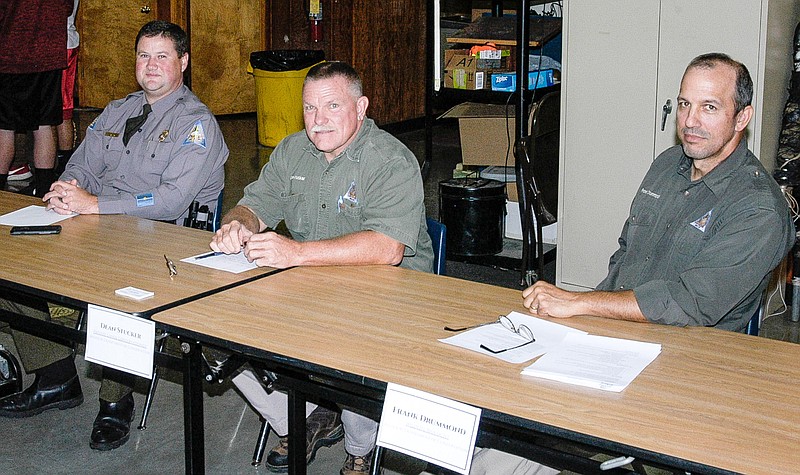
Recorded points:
(33,215)
(120,341)
(496,336)
(134,293)
(429,427)
(598,362)
(235,263)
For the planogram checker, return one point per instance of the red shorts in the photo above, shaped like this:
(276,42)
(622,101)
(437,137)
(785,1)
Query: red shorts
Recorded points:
(68,83)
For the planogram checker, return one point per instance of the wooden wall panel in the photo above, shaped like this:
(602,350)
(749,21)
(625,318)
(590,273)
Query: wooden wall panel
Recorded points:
(223,34)
(389,51)
(384,41)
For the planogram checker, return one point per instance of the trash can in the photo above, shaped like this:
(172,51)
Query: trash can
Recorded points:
(279,78)
(474,211)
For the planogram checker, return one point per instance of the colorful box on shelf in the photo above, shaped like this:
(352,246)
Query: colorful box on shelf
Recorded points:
(471,72)
(507,82)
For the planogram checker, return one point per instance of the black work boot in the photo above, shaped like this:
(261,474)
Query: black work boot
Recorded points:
(112,426)
(56,387)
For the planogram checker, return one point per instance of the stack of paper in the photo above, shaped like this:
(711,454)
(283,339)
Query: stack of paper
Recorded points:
(548,336)
(598,362)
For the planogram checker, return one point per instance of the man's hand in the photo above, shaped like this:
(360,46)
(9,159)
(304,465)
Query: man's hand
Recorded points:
(67,197)
(272,250)
(547,300)
(230,238)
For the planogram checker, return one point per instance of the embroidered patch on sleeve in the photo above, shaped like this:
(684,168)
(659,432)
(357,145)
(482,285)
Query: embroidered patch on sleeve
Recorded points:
(703,221)
(144,199)
(91,126)
(196,136)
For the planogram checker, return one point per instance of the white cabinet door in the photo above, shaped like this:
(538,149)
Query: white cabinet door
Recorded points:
(689,28)
(608,91)
(621,65)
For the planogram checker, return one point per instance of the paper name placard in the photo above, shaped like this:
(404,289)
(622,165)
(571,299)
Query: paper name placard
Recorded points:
(429,427)
(120,341)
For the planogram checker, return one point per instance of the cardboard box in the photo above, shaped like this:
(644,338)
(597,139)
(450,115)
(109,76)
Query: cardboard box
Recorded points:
(507,82)
(464,71)
(461,71)
(485,133)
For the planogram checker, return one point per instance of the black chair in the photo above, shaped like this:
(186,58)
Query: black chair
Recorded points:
(537,161)
(438,233)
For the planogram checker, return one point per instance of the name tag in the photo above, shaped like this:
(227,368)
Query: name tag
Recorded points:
(112,134)
(144,199)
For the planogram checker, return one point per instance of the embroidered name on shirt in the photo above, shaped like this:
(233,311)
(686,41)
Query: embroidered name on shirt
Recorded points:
(650,193)
(297,177)
(702,222)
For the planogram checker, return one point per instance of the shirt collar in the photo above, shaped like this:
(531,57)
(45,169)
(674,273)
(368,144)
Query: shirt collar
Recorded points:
(165,103)
(717,179)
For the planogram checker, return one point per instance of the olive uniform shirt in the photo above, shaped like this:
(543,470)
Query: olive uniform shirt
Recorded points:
(375,184)
(701,253)
(176,158)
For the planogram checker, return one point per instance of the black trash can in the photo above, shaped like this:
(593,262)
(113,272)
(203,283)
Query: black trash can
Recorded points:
(279,76)
(474,211)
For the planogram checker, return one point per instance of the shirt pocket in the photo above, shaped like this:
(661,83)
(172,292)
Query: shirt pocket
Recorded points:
(113,149)
(296,215)
(348,220)
(641,224)
(689,241)
(156,155)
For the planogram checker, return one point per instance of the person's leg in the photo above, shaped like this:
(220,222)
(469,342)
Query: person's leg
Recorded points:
(359,442)
(323,426)
(44,159)
(112,426)
(65,131)
(491,461)
(56,384)
(47,115)
(6,155)
(273,406)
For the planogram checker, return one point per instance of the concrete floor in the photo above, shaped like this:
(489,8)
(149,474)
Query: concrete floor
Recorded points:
(57,441)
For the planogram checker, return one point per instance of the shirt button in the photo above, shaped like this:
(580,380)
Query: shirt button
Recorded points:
(127,152)
(122,177)
(323,206)
(686,193)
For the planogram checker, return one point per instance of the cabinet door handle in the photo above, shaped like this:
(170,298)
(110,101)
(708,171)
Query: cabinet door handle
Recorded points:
(665,111)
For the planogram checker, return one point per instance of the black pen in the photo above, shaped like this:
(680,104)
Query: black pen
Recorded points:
(210,254)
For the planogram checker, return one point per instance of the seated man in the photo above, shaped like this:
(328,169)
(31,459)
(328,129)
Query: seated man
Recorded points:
(350,194)
(707,227)
(152,165)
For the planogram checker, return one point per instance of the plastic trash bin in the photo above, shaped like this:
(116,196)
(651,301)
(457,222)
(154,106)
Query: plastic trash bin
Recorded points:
(474,211)
(279,78)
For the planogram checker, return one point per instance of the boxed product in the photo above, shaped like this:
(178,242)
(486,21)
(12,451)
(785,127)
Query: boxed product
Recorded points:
(465,71)
(507,82)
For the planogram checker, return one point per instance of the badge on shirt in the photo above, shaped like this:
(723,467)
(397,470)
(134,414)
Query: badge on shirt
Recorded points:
(144,199)
(349,199)
(702,222)
(196,136)
(163,136)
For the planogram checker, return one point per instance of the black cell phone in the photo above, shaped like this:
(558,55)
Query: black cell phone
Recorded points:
(28,230)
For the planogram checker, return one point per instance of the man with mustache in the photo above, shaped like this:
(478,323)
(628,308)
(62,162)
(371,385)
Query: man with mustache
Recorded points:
(706,227)
(349,194)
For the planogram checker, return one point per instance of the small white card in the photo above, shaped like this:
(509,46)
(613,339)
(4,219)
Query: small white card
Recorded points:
(429,427)
(134,293)
(120,340)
